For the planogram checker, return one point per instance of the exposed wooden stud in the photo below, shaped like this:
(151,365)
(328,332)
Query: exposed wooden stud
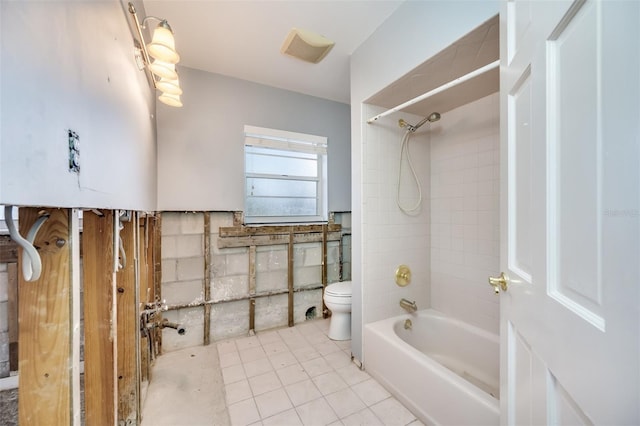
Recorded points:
(45,322)
(207,277)
(145,287)
(99,320)
(12,313)
(290,279)
(324,268)
(74,325)
(157,277)
(243,231)
(127,331)
(252,288)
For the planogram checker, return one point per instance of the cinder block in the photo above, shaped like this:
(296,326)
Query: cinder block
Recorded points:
(237,264)
(333,272)
(193,320)
(229,319)
(220,219)
(271,280)
(307,275)
(4,286)
(313,255)
(3,267)
(231,286)
(304,301)
(333,252)
(192,223)
(272,258)
(271,312)
(191,268)
(189,246)
(169,272)
(183,292)
(171,223)
(169,246)
(218,265)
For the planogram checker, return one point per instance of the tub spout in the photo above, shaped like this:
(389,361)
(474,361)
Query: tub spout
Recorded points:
(408,306)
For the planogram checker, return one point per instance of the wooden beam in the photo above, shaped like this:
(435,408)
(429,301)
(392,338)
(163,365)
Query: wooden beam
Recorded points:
(157,278)
(127,330)
(243,231)
(290,280)
(99,319)
(252,288)
(276,239)
(12,313)
(324,268)
(45,318)
(207,277)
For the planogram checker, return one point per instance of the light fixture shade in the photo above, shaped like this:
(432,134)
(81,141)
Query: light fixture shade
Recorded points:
(163,46)
(171,100)
(169,86)
(163,69)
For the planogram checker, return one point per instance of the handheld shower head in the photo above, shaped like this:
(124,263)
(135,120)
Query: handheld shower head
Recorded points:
(431,118)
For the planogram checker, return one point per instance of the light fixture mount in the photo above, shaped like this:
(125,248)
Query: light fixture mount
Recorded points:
(161,72)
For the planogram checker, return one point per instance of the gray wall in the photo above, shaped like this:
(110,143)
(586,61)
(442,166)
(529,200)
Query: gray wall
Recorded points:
(70,65)
(201,146)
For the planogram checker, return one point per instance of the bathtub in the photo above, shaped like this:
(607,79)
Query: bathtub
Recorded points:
(445,371)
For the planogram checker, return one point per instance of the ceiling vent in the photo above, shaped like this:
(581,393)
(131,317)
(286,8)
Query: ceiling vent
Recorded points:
(306,45)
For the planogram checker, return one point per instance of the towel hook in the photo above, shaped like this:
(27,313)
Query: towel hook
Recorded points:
(32,266)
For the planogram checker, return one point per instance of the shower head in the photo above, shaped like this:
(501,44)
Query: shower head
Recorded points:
(431,118)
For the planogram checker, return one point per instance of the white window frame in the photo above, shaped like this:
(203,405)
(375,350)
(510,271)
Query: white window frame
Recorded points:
(289,141)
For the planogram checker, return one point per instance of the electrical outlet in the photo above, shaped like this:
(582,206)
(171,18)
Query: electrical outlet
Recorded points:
(74,151)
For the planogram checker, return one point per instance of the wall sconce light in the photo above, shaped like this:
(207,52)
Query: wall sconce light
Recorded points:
(162,70)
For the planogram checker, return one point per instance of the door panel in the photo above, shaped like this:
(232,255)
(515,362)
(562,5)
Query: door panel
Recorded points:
(570,221)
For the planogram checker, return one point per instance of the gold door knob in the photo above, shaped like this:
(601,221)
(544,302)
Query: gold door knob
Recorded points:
(499,283)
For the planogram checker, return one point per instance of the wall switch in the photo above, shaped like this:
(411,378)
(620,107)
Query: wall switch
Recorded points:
(74,151)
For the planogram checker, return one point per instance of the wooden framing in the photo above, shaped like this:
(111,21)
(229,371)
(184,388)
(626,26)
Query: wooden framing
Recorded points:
(49,391)
(99,320)
(207,277)
(12,313)
(128,328)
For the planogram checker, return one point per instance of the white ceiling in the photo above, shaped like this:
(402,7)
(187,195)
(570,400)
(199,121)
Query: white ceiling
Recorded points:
(242,38)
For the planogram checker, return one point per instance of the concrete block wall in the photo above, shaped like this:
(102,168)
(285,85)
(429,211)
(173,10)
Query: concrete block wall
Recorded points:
(183,278)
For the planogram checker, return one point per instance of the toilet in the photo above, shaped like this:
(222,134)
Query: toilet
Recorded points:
(337,297)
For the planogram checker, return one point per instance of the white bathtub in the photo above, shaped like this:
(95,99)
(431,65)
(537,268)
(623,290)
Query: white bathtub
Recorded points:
(445,371)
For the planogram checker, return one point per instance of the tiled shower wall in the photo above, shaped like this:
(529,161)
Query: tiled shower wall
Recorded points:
(465,217)
(183,278)
(389,236)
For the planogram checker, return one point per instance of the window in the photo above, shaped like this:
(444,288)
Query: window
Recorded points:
(285,176)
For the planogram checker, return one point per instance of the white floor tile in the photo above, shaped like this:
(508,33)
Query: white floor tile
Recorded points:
(352,374)
(230,358)
(362,418)
(336,423)
(338,359)
(269,337)
(238,391)
(306,353)
(317,366)
(275,348)
(264,383)
(345,402)
(226,346)
(391,412)
(292,374)
(327,348)
(286,418)
(273,402)
(243,412)
(370,392)
(252,354)
(283,359)
(233,374)
(302,392)
(316,412)
(257,367)
(329,383)
(247,342)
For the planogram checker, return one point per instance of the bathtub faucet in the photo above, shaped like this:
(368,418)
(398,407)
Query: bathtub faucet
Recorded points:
(408,306)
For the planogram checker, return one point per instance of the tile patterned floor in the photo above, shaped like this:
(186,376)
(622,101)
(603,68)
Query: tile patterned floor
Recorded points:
(298,376)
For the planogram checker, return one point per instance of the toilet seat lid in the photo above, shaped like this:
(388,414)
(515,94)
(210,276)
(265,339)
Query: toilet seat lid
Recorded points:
(341,289)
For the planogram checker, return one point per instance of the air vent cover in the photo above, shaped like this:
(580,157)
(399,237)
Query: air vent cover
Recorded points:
(306,45)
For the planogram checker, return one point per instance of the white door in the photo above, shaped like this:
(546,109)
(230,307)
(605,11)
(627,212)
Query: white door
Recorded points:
(570,114)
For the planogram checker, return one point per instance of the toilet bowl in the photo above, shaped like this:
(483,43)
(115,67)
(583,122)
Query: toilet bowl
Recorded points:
(337,297)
